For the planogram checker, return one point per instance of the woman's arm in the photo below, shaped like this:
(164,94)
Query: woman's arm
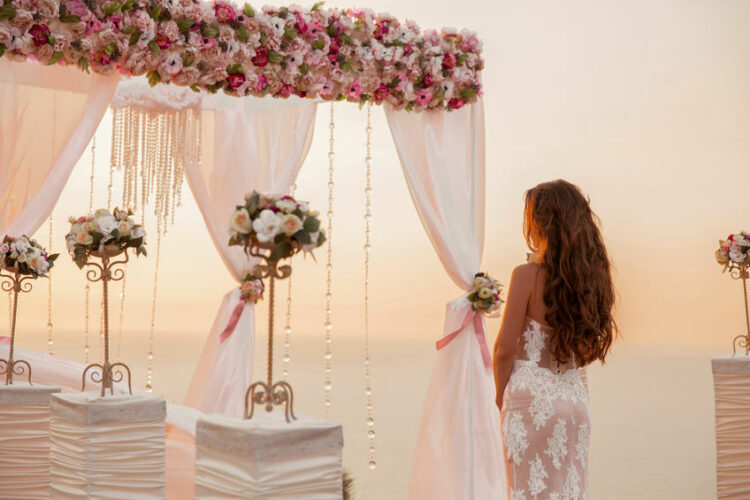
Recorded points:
(519,291)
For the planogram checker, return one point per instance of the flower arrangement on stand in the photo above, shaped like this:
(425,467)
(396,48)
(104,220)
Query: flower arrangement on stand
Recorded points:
(485,296)
(105,235)
(318,53)
(734,255)
(272,228)
(23,259)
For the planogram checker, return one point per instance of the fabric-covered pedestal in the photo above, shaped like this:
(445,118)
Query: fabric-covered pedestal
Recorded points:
(268,458)
(111,447)
(24,440)
(732,397)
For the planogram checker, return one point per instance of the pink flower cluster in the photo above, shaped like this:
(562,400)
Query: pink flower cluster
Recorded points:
(330,54)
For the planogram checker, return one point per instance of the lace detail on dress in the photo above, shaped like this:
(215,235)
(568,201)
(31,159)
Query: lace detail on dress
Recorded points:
(515,437)
(557,445)
(582,446)
(517,495)
(537,475)
(572,488)
(535,339)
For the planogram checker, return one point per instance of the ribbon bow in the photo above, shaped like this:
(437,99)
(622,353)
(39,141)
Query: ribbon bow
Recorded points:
(479,333)
(233,319)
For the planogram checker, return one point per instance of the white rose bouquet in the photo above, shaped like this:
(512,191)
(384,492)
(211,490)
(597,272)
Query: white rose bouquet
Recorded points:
(485,296)
(277,223)
(734,250)
(25,256)
(104,231)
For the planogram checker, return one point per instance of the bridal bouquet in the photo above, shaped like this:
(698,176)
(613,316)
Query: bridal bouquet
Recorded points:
(25,256)
(485,296)
(734,250)
(102,231)
(252,288)
(277,223)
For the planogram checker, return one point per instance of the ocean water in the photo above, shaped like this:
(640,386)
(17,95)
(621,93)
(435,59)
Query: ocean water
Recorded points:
(652,408)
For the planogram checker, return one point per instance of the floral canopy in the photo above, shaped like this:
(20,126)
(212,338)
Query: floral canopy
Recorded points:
(330,54)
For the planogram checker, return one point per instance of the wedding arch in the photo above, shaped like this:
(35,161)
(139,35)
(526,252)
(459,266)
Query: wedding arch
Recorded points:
(304,57)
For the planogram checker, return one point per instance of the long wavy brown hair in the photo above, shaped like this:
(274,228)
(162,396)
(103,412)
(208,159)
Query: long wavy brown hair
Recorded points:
(579,293)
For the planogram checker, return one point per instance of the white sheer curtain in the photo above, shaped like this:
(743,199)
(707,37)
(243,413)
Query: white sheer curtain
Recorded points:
(247,144)
(459,450)
(47,117)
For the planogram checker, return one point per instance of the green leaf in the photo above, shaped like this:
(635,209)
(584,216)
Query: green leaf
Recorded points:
(348,67)
(275,57)
(304,69)
(248,10)
(53,257)
(318,44)
(129,30)
(195,88)
(461,59)
(187,61)
(290,33)
(137,242)
(2,49)
(317,6)
(253,202)
(7,12)
(242,34)
(331,30)
(303,237)
(153,78)
(281,251)
(134,36)
(155,13)
(410,106)
(396,43)
(128,5)
(344,38)
(111,8)
(111,48)
(283,12)
(311,224)
(153,46)
(185,24)
(468,93)
(321,238)
(67,19)
(209,31)
(279,238)
(56,58)
(235,68)
(83,64)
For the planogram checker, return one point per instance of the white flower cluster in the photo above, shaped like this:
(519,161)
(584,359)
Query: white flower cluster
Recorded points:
(24,255)
(734,249)
(104,226)
(486,294)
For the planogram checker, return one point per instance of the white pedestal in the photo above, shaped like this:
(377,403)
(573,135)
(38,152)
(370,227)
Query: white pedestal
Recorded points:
(732,399)
(111,447)
(268,458)
(24,440)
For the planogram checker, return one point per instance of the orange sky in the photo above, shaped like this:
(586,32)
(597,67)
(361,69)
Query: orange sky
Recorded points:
(645,104)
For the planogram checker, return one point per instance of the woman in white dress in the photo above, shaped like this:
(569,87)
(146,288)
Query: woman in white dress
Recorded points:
(558,317)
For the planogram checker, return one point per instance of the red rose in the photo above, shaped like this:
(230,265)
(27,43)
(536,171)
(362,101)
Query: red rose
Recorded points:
(381,92)
(301,93)
(235,80)
(224,13)
(456,103)
(449,60)
(427,81)
(261,57)
(103,58)
(162,41)
(39,33)
(286,90)
(335,46)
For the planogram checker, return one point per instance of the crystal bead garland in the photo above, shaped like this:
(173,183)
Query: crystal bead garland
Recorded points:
(288,324)
(86,345)
(368,248)
(50,338)
(328,354)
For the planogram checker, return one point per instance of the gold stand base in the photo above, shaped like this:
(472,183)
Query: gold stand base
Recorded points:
(279,394)
(14,367)
(106,374)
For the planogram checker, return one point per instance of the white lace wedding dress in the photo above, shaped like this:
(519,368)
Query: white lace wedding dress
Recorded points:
(545,422)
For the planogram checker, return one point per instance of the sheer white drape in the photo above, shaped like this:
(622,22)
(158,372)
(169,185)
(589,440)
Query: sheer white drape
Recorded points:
(459,450)
(247,144)
(47,117)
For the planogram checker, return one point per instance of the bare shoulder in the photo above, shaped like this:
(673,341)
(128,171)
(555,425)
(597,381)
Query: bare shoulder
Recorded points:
(526,273)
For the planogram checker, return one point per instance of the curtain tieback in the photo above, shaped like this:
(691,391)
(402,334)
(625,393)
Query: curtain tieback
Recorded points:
(479,333)
(233,319)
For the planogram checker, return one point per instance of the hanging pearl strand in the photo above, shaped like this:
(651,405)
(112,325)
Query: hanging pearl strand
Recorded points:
(115,164)
(368,248)
(86,345)
(50,339)
(328,355)
(288,325)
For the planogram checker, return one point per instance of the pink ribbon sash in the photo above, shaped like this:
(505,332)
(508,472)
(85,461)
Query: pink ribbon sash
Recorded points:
(478,333)
(233,319)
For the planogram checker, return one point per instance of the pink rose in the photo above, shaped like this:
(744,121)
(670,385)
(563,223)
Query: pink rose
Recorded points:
(207,43)
(235,80)
(103,58)
(39,33)
(77,8)
(354,90)
(424,97)
(188,76)
(162,41)
(286,90)
(93,25)
(449,60)
(261,57)
(315,29)
(456,103)
(224,12)
(44,52)
(171,31)
(324,86)
(427,81)
(381,92)
(172,64)
(402,81)
(261,83)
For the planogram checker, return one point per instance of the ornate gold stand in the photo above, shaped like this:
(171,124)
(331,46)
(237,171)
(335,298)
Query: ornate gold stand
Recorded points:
(740,271)
(269,393)
(108,373)
(15,283)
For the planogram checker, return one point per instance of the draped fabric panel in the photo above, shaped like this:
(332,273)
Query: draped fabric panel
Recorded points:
(48,115)
(247,144)
(459,449)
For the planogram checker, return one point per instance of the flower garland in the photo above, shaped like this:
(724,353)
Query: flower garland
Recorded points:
(277,223)
(734,250)
(25,256)
(331,54)
(485,296)
(104,230)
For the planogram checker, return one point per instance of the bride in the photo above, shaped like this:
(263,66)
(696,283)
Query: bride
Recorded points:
(558,317)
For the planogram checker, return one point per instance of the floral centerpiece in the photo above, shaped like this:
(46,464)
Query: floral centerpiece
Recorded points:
(25,256)
(279,224)
(485,296)
(319,53)
(734,250)
(104,231)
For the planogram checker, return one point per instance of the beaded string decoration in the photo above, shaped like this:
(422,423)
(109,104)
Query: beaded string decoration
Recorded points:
(368,250)
(328,326)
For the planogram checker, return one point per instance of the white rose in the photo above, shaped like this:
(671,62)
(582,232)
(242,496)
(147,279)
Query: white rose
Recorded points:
(287,205)
(278,26)
(736,256)
(138,232)
(267,225)
(485,293)
(21,257)
(241,221)
(21,245)
(291,224)
(106,224)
